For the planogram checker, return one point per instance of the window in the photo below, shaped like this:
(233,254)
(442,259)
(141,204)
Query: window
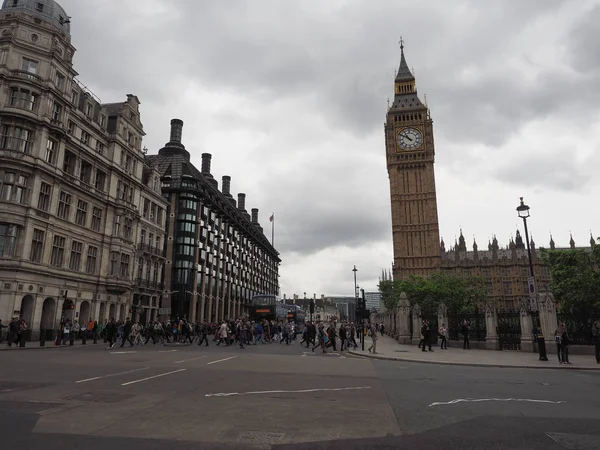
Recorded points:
(148,270)
(23,98)
(96,218)
(75,261)
(100,147)
(60,81)
(58,251)
(44,198)
(37,246)
(85,173)
(92,255)
(124,270)
(140,268)
(145,209)
(39,7)
(103,121)
(117,227)
(56,111)
(29,65)
(70,127)
(64,205)
(143,237)
(150,239)
(21,190)
(155,273)
(69,163)
(127,228)
(130,138)
(8,186)
(74,97)
(85,137)
(51,147)
(8,239)
(89,109)
(100,180)
(114,261)
(81,214)
(16,138)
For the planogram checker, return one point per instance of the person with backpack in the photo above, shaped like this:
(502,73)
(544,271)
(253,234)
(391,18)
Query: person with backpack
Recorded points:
(373,334)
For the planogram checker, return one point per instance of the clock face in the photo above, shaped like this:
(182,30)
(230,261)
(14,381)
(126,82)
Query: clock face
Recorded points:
(410,139)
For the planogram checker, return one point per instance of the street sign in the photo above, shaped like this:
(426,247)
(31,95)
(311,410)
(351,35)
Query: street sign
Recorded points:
(164,311)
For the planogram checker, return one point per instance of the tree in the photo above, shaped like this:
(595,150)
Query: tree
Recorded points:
(390,296)
(575,278)
(459,293)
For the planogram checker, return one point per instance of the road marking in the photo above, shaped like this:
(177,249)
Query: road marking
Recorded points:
(186,360)
(167,351)
(154,376)
(301,391)
(221,360)
(121,353)
(111,375)
(477,400)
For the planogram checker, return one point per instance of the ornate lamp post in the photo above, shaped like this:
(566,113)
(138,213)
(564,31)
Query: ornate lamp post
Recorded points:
(523,212)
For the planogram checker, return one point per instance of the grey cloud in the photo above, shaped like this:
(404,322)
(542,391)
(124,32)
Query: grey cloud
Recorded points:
(546,172)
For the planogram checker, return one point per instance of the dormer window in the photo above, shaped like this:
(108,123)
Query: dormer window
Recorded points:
(89,110)
(15,3)
(40,7)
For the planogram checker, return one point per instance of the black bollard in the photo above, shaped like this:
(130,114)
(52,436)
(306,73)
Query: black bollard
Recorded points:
(58,338)
(542,347)
(22,341)
(42,338)
(84,338)
(71,338)
(95,338)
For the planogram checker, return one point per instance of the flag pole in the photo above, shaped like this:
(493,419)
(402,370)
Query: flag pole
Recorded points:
(273,230)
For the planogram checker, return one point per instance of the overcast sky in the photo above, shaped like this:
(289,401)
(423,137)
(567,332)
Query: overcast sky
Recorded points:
(290,99)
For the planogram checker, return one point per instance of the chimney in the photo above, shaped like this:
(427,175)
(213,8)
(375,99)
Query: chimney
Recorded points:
(206,163)
(176,131)
(254,215)
(226,185)
(242,201)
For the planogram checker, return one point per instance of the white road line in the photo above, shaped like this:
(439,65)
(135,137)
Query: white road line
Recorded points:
(167,351)
(111,375)
(220,360)
(301,391)
(477,400)
(121,353)
(154,376)
(186,360)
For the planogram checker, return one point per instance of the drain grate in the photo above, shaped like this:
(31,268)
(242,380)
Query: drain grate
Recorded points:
(261,437)
(100,397)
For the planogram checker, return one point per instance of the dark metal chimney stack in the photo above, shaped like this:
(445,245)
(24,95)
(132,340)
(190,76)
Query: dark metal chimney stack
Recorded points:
(176,131)
(226,185)
(242,202)
(254,215)
(206,163)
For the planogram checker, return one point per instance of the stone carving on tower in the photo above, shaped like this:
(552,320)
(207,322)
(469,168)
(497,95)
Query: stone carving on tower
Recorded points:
(410,156)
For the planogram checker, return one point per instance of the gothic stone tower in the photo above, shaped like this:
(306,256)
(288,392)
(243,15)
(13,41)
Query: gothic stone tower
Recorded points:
(410,157)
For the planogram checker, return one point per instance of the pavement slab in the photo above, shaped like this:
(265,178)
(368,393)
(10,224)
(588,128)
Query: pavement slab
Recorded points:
(389,349)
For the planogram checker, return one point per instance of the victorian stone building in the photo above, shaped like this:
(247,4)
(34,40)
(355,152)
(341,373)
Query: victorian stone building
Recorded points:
(81,217)
(417,249)
(217,256)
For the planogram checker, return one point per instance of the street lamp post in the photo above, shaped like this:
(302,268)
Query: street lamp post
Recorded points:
(523,212)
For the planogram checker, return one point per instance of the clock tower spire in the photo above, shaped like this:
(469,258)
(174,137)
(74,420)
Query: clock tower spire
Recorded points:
(410,155)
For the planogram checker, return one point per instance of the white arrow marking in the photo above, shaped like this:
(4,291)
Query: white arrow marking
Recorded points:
(477,400)
(301,391)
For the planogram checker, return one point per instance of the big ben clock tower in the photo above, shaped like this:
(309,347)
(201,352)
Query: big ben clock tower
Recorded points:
(410,156)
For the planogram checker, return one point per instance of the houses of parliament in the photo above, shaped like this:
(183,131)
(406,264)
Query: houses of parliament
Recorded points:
(418,249)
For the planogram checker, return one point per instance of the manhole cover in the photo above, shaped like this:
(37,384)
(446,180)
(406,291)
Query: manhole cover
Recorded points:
(261,437)
(100,397)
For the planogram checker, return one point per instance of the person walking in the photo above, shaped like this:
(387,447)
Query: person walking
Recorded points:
(565,342)
(443,332)
(373,334)
(426,333)
(558,341)
(465,332)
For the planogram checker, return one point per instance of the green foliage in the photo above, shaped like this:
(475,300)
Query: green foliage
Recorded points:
(460,294)
(575,277)
(389,295)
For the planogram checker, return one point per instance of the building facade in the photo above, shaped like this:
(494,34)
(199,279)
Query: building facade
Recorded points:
(217,256)
(505,270)
(410,155)
(72,177)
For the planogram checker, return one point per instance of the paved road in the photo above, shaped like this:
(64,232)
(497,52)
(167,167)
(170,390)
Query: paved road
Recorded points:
(280,397)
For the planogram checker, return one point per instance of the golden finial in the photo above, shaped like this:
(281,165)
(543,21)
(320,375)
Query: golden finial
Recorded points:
(401,42)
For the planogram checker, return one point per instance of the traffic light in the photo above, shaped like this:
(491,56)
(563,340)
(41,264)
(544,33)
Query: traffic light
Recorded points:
(312,307)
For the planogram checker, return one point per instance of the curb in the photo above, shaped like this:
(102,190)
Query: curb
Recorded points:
(455,363)
(46,347)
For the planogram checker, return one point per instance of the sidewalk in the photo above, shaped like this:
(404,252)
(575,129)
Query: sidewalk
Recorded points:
(388,348)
